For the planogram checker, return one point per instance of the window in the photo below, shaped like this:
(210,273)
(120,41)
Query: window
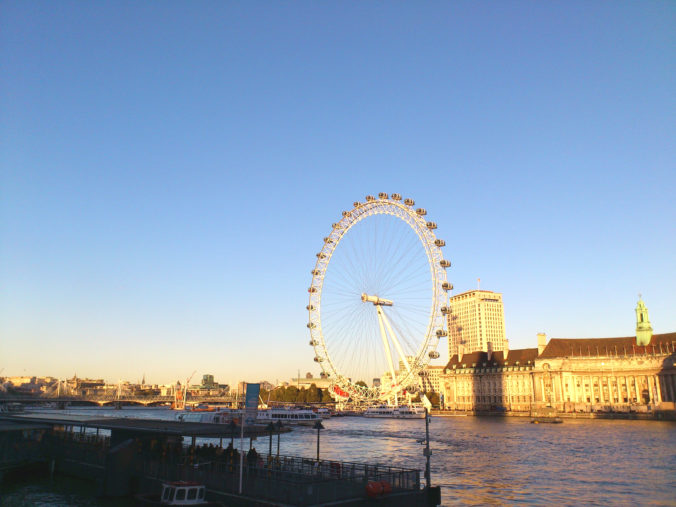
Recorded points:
(192,494)
(180,494)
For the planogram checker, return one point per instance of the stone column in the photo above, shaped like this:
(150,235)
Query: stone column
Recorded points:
(658,394)
(626,386)
(601,389)
(651,393)
(574,378)
(638,399)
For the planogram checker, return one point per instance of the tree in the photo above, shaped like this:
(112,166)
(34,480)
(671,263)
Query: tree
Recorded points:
(290,394)
(433,397)
(361,383)
(313,394)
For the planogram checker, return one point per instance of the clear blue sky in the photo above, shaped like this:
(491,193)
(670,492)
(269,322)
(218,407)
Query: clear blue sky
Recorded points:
(168,169)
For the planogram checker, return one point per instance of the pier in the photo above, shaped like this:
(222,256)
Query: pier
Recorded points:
(136,455)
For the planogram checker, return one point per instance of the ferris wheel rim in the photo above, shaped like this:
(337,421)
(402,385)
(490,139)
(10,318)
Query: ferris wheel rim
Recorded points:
(416,221)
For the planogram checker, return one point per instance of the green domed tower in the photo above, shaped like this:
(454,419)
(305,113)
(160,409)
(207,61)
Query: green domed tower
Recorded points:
(643,330)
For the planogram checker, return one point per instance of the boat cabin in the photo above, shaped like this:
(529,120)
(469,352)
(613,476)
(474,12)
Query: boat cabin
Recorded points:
(182,493)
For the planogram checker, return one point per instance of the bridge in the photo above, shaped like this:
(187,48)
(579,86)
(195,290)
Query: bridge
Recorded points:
(102,400)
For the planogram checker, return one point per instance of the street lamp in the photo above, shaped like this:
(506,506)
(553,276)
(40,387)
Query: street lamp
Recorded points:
(318,426)
(270,427)
(232,426)
(279,432)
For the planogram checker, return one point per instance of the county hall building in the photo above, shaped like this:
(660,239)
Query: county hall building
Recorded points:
(627,374)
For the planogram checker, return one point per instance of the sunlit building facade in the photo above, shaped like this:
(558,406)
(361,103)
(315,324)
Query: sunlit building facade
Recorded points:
(477,319)
(634,374)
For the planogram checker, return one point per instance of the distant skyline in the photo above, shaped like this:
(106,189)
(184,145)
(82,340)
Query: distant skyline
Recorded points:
(168,170)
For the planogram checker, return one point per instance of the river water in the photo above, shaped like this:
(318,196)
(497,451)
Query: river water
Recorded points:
(476,460)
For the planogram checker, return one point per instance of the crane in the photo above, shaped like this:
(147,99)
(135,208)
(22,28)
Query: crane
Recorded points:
(185,388)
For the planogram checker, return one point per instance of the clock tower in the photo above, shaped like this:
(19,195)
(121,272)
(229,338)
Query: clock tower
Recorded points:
(644,332)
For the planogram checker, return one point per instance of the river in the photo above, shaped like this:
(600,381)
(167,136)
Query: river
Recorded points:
(476,460)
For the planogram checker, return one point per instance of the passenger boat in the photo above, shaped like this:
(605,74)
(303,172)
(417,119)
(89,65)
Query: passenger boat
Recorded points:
(177,493)
(287,416)
(217,417)
(323,412)
(293,416)
(400,412)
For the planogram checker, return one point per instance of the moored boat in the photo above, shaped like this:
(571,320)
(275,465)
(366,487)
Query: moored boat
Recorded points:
(287,416)
(177,493)
(400,412)
(323,412)
(294,416)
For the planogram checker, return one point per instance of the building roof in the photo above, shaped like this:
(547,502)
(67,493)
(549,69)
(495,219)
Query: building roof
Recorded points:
(474,291)
(580,347)
(478,358)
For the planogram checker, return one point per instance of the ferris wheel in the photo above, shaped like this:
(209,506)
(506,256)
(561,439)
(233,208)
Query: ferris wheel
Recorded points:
(378,299)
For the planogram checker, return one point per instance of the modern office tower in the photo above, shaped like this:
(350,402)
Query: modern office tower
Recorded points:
(477,319)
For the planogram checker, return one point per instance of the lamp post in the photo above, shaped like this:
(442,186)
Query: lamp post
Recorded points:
(232,426)
(270,427)
(318,426)
(279,432)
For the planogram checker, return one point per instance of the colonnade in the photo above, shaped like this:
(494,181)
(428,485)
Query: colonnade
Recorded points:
(469,390)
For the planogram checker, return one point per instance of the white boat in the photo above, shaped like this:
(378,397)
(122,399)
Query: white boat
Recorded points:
(287,416)
(400,412)
(177,493)
(215,417)
(324,412)
(294,416)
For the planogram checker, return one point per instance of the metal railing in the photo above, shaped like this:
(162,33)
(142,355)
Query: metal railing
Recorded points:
(293,479)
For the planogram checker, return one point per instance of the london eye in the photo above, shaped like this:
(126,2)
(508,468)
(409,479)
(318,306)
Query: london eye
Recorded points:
(378,299)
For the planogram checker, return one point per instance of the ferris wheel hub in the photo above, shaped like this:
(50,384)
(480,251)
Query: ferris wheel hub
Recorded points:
(375,300)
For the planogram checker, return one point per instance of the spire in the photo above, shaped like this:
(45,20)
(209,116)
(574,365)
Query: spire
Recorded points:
(644,332)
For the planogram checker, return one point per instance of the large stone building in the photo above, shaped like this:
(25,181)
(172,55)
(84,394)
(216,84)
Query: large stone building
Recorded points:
(477,319)
(628,374)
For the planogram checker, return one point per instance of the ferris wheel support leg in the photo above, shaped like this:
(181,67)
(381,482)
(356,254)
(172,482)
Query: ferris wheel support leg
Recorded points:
(397,345)
(386,343)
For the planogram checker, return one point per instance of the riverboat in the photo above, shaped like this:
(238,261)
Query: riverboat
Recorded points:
(215,417)
(400,412)
(546,420)
(177,493)
(287,416)
(293,416)
(323,412)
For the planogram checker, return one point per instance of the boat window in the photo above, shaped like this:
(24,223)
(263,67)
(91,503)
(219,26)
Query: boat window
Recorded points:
(168,493)
(200,493)
(180,494)
(192,494)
